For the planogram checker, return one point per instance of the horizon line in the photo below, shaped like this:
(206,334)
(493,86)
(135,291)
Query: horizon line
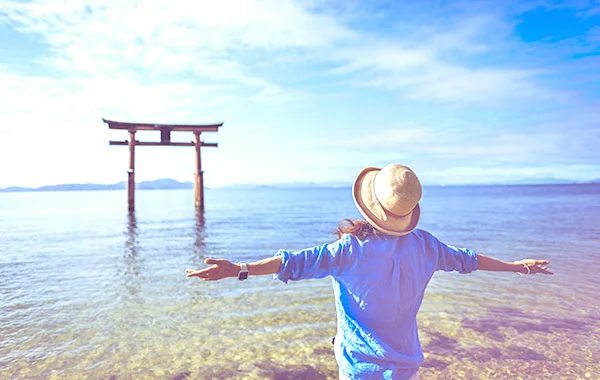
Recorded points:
(299,184)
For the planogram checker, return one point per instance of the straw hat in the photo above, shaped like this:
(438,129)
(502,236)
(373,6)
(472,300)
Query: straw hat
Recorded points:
(389,198)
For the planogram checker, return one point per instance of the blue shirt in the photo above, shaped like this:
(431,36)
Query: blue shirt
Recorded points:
(379,284)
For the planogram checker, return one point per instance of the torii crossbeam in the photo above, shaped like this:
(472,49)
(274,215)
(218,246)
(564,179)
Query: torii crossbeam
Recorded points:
(165,140)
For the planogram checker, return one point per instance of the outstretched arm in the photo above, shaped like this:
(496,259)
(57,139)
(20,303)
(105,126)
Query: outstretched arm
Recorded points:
(222,268)
(316,262)
(527,266)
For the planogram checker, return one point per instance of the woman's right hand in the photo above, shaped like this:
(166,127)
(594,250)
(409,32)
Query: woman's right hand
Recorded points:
(535,266)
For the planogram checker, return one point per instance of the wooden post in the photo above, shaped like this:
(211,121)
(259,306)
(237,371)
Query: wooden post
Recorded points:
(131,172)
(199,175)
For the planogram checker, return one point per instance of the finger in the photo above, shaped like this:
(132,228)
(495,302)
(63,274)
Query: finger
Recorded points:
(542,262)
(215,261)
(543,270)
(199,273)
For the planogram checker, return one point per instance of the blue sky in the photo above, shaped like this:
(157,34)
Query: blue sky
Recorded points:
(463,92)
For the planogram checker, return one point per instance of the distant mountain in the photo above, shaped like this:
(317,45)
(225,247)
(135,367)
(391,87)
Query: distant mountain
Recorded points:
(144,185)
(541,181)
(15,189)
(165,183)
(80,186)
(287,185)
(597,180)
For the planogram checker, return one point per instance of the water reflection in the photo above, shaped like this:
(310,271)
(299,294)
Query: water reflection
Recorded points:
(200,230)
(523,323)
(268,369)
(199,248)
(131,255)
(443,350)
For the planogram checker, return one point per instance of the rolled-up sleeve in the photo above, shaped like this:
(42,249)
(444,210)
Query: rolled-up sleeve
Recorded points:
(450,258)
(321,261)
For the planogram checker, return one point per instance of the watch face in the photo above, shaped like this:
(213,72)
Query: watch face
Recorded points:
(243,275)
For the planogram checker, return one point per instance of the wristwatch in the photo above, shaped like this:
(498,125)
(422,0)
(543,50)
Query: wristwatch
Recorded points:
(243,271)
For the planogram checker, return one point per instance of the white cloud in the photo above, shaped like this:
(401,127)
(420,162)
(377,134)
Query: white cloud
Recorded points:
(459,85)
(544,144)
(402,134)
(205,42)
(157,59)
(461,59)
(171,37)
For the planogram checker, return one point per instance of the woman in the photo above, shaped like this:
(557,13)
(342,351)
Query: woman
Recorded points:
(380,269)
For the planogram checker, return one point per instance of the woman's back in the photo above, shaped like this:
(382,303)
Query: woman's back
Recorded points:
(379,294)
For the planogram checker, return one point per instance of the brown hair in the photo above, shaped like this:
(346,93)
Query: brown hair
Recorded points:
(359,228)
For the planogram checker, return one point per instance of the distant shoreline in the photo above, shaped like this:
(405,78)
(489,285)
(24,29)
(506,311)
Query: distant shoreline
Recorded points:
(170,184)
(161,184)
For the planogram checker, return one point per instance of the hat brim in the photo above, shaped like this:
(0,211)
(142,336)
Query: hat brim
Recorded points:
(371,210)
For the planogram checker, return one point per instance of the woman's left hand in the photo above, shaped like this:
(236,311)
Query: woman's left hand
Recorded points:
(220,269)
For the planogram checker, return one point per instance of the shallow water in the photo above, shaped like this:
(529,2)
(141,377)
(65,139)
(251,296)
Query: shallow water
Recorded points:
(87,290)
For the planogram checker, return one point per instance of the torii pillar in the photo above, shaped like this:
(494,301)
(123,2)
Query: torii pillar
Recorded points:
(199,175)
(131,172)
(165,140)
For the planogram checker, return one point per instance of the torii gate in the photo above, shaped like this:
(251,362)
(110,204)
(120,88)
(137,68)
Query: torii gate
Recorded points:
(165,140)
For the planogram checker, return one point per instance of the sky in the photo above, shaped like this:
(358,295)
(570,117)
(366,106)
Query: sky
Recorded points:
(463,92)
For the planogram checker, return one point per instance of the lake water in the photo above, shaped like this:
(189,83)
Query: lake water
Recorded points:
(88,291)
